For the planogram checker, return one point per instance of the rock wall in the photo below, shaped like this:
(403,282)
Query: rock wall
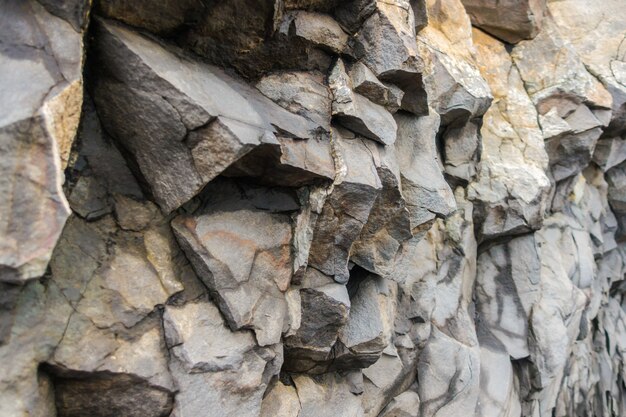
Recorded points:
(312,208)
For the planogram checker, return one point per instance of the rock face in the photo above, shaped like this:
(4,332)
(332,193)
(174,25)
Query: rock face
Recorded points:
(310,208)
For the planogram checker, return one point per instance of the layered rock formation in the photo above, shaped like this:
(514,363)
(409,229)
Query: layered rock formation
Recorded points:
(310,208)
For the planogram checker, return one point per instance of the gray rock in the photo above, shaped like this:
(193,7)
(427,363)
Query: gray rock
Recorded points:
(609,153)
(507,287)
(211,134)
(388,45)
(41,63)
(596,33)
(215,368)
(339,401)
(243,254)
(406,404)
(426,192)
(302,93)
(510,21)
(511,189)
(358,113)
(164,18)
(324,310)
(347,207)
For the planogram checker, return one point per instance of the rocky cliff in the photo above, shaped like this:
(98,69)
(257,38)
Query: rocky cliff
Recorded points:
(312,208)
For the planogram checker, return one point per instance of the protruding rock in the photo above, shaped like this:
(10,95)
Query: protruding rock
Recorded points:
(510,20)
(571,102)
(243,254)
(511,190)
(324,310)
(426,192)
(358,113)
(193,128)
(346,209)
(387,43)
(215,368)
(596,31)
(40,106)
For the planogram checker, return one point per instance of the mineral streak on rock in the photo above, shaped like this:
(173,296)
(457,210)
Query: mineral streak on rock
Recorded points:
(312,208)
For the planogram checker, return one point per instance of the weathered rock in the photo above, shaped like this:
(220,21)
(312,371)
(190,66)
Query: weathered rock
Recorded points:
(511,21)
(215,368)
(609,152)
(426,192)
(164,18)
(453,370)
(455,87)
(511,189)
(571,103)
(324,310)
(596,32)
(41,62)
(406,404)
(387,43)
(370,322)
(320,30)
(507,286)
(280,401)
(210,134)
(347,207)
(243,255)
(358,113)
(388,224)
(302,93)
(339,400)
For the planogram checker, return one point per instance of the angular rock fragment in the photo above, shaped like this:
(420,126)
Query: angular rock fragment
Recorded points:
(511,21)
(387,43)
(318,29)
(456,89)
(358,113)
(511,189)
(609,153)
(339,400)
(365,83)
(215,368)
(571,103)
(243,254)
(596,32)
(370,322)
(183,136)
(347,207)
(324,310)
(388,224)
(426,192)
(42,91)
(303,93)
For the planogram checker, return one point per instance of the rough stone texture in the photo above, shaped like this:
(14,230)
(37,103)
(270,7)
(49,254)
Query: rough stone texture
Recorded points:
(311,208)
(41,61)
(509,20)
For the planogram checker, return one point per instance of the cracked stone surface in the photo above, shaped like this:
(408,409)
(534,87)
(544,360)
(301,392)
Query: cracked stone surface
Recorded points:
(311,208)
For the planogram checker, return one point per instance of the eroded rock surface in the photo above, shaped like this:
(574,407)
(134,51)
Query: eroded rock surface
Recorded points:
(311,208)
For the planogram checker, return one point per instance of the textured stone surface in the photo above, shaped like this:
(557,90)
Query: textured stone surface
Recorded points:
(311,208)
